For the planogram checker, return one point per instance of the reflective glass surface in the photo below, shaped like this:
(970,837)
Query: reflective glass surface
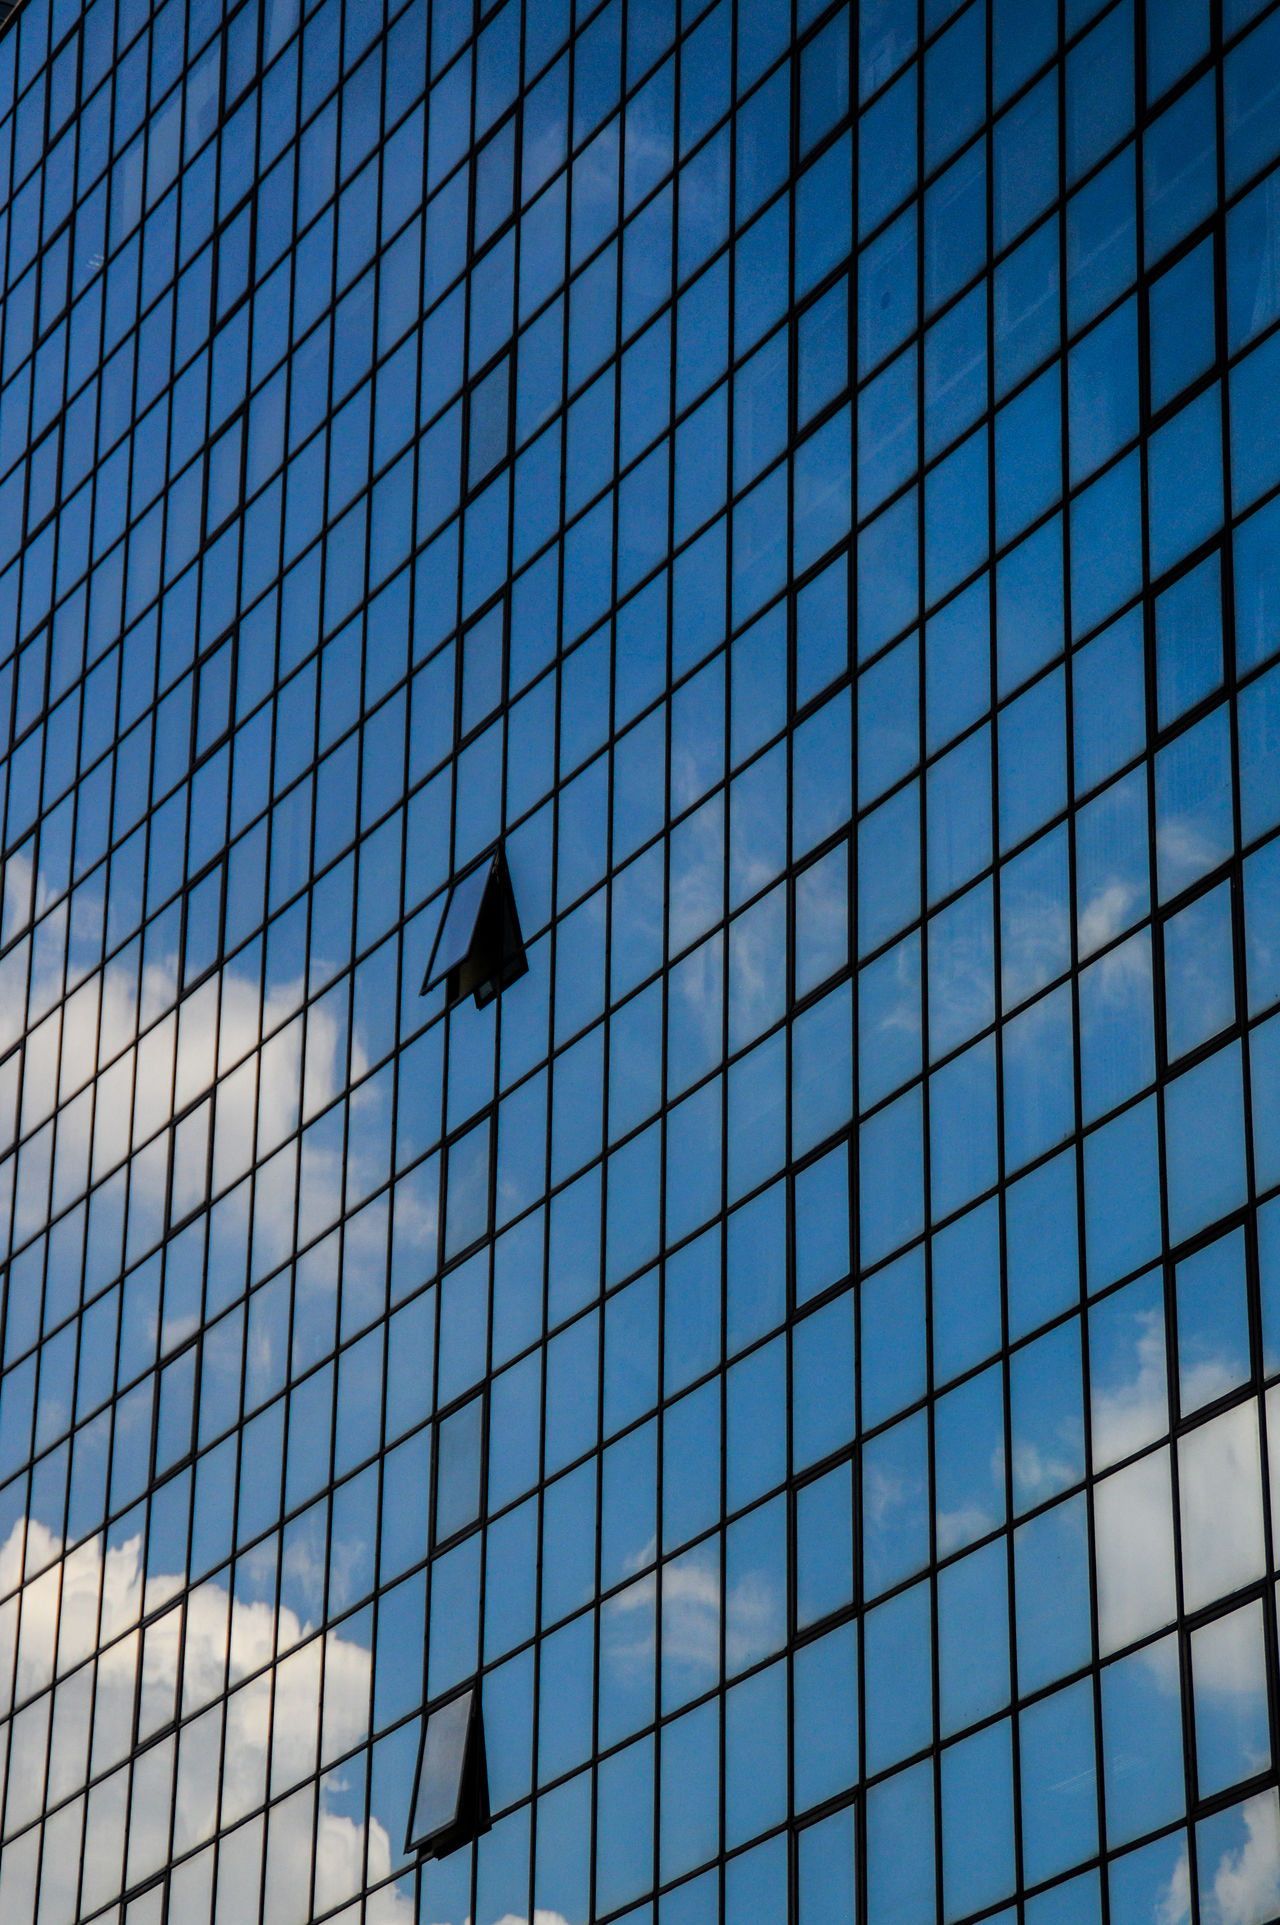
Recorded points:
(800,485)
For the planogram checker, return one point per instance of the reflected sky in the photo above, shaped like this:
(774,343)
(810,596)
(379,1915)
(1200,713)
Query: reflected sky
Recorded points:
(811,525)
(223,1761)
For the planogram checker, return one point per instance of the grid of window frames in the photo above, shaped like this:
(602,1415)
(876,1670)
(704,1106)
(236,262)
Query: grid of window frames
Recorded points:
(809,486)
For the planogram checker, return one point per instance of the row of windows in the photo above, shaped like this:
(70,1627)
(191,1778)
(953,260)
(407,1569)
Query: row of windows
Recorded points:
(880,432)
(222,453)
(1199,995)
(695,418)
(1055,927)
(1191,519)
(235,245)
(822,1255)
(972,1599)
(1108,701)
(889,1211)
(1195,991)
(31,691)
(361,97)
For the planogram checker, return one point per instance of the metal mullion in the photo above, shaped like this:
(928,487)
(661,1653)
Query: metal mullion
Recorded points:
(47,1749)
(8,118)
(286,368)
(134,330)
(788,331)
(597,1451)
(721,1683)
(221,1697)
(1005,1532)
(287,1400)
(8,1209)
(320,545)
(203,545)
(264,936)
(1171,1384)
(1073,938)
(676,55)
(1006,1537)
(920,921)
(373,1602)
(549,1046)
(169,477)
(431,1426)
(20,559)
(403,920)
(853,933)
(124,1169)
(606,1021)
(91,480)
(1237,907)
(488,1245)
(326,1497)
(169,1730)
(166,1220)
(97,1649)
(97,1122)
(325,100)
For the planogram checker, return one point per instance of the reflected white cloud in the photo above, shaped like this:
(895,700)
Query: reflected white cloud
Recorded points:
(1208,1379)
(1173,1905)
(694,1014)
(755,1620)
(1220,1502)
(271,1733)
(1134,1412)
(1227,1660)
(155,1056)
(1133,1525)
(1105,914)
(691,1609)
(18,901)
(1115,975)
(822,919)
(691,1613)
(1039,1474)
(901,1014)
(963,1526)
(696,891)
(1243,1886)
(961,961)
(1034,939)
(1185,847)
(540,1917)
(891,1499)
(757,968)
(1220,1495)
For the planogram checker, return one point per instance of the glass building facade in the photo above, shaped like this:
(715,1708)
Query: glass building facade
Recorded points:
(747,535)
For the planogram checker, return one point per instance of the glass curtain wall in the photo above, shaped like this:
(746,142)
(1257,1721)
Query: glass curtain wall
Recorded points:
(777,1385)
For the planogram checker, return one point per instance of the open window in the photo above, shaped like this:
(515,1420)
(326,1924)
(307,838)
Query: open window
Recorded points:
(479,949)
(451,1794)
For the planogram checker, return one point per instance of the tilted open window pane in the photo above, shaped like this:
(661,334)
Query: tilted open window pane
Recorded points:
(479,948)
(451,1804)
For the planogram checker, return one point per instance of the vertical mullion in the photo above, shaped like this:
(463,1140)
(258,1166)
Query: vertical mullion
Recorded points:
(1085,1282)
(662,1564)
(1267,1445)
(922,686)
(552,941)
